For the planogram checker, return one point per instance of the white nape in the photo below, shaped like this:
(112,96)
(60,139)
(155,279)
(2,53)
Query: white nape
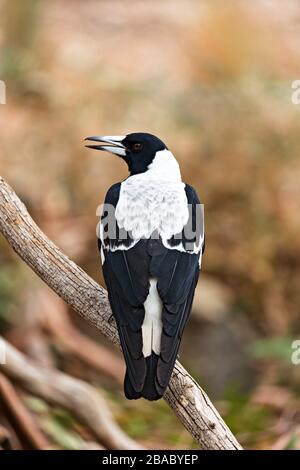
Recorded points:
(164,167)
(152,324)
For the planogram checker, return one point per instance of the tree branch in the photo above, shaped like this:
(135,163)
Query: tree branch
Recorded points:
(189,402)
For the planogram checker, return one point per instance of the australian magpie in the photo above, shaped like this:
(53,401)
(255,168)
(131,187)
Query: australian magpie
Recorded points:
(151,241)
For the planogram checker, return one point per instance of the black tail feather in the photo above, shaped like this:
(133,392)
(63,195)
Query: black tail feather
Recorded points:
(149,390)
(129,391)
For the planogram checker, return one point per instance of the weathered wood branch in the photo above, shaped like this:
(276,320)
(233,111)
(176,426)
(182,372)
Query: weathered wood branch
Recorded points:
(189,402)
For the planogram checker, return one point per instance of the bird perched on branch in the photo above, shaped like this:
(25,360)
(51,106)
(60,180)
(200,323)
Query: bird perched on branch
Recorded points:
(151,241)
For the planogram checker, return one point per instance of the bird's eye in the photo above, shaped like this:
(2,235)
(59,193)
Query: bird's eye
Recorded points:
(137,146)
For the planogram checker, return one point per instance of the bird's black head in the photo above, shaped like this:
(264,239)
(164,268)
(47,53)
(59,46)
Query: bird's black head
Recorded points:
(138,149)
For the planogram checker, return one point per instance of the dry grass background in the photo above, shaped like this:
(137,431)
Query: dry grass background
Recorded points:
(213,80)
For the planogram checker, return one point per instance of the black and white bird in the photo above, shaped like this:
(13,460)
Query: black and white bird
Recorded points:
(151,240)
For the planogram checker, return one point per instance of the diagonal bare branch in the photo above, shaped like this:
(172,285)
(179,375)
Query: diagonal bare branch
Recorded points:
(189,402)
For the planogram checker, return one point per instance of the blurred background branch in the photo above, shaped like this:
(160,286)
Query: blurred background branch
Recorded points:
(72,394)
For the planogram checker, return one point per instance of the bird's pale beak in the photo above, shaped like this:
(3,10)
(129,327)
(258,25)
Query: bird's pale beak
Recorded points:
(115,142)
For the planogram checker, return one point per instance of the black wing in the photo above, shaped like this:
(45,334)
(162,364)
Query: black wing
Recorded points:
(177,273)
(126,273)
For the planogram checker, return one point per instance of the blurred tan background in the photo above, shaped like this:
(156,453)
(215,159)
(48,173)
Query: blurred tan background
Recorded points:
(213,80)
